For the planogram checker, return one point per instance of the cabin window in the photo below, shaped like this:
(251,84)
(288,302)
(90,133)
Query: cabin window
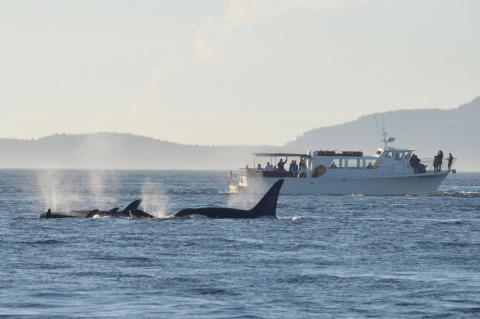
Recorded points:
(371,163)
(388,154)
(336,163)
(354,163)
(402,156)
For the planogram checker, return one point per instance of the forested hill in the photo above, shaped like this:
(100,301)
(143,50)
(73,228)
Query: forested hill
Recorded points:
(454,130)
(119,151)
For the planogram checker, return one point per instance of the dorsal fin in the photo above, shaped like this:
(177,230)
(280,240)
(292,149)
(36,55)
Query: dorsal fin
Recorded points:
(92,213)
(114,210)
(268,204)
(133,205)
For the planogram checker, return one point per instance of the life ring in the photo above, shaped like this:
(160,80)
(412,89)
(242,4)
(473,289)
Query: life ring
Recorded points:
(319,171)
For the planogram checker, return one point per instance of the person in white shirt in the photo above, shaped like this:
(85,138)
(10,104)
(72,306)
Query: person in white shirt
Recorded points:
(269,167)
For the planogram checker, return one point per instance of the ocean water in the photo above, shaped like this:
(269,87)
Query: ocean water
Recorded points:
(325,257)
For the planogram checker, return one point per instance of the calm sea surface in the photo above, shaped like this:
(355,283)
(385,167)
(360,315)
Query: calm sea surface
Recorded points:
(325,257)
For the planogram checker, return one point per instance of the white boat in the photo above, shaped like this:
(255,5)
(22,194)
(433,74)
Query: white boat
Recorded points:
(390,171)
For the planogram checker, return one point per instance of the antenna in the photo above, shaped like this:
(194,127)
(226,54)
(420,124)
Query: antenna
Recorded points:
(383,131)
(385,138)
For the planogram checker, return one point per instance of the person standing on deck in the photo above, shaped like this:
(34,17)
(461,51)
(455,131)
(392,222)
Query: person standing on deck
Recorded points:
(435,163)
(295,169)
(269,167)
(440,160)
(450,160)
(290,168)
(281,164)
(303,169)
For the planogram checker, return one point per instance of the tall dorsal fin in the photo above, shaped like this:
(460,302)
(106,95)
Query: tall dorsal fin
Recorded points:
(133,205)
(268,204)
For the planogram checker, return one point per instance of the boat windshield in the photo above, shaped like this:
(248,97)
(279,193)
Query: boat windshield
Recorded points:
(398,155)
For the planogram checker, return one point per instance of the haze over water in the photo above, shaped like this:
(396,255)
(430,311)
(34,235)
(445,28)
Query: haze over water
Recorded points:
(326,256)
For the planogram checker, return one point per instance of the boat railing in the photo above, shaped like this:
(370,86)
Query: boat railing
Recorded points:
(264,173)
(429,164)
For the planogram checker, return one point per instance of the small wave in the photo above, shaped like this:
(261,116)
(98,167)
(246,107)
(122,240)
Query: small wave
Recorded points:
(164,217)
(300,279)
(468,310)
(131,259)
(463,194)
(297,218)
(450,221)
(456,244)
(52,294)
(100,217)
(436,244)
(194,216)
(44,242)
(210,291)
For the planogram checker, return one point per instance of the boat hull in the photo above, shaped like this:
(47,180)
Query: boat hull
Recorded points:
(417,184)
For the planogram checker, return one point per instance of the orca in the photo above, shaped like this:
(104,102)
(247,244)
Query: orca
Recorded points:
(130,211)
(50,214)
(70,214)
(266,207)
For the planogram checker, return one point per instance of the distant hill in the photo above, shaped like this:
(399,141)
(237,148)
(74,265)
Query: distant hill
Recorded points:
(120,151)
(454,130)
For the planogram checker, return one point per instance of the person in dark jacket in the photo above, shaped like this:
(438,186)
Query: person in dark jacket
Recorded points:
(435,163)
(415,162)
(281,164)
(440,160)
(450,160)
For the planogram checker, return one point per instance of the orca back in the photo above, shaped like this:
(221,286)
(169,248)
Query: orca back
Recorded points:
(92,213)
(141,214)
(267,206)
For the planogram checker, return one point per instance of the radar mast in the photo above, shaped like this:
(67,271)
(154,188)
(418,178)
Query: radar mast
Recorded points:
(385,138)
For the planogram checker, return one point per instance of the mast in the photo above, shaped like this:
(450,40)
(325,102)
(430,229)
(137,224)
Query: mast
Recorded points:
(385,138)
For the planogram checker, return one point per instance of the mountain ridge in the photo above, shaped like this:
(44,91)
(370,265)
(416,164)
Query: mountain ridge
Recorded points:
(428,130)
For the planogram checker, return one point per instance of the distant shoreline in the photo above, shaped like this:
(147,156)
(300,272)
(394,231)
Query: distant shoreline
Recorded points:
(427,131)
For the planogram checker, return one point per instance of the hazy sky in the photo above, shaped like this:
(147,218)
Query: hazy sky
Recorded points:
(227,72)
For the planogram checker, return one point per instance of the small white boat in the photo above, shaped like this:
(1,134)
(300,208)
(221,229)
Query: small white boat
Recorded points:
(390,171)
